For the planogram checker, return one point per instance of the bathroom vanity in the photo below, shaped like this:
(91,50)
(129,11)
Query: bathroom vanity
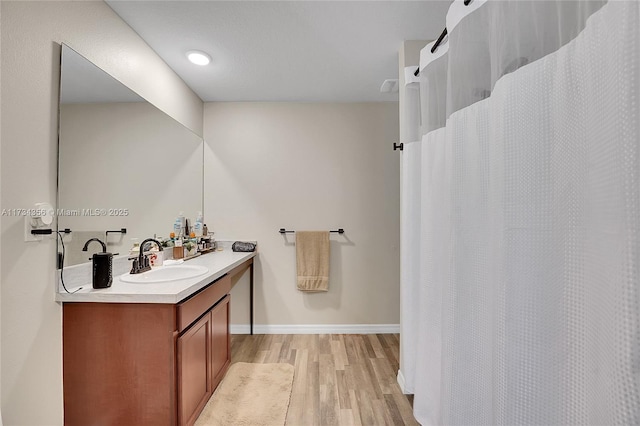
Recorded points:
(148,354)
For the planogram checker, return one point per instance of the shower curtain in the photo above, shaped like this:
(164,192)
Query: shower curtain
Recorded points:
(521,217)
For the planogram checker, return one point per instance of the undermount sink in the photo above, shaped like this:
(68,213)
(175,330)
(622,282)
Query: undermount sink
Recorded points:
(165,273)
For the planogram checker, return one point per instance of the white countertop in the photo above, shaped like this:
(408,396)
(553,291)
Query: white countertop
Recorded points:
(218,263)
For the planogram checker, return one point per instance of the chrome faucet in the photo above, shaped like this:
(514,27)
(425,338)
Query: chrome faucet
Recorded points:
(141,262)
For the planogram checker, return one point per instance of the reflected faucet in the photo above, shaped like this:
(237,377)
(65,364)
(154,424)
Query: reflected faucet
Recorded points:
(141,262)
(86,245)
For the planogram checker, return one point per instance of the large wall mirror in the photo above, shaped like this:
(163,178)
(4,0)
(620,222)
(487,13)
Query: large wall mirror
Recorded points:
(123,163)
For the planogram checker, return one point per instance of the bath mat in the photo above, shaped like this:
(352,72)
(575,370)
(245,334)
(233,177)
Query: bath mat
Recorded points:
(250,395)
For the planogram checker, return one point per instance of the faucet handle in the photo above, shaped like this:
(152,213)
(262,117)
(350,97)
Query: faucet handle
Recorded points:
(134,267)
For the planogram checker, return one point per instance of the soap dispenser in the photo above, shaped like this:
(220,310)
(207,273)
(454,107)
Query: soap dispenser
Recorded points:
(102,265)
(197,228)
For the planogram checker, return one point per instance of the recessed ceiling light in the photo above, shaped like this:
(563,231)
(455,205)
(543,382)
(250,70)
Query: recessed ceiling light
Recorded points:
(198,57)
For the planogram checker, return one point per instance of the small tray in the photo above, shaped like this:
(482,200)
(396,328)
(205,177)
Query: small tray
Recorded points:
(191,257)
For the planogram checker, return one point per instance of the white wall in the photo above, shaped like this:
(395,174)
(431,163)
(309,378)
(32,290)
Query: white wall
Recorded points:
(0,227)
(308,166)
(31,357)
(125,155)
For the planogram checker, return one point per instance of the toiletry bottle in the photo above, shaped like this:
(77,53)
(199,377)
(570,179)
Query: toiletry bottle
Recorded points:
(205,230)
(171,242)
(135,247)
(178,250)
(156,258)
(197,228)
(178,225)
(193,245)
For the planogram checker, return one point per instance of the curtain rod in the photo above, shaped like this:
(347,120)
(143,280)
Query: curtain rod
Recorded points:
(437,43)
(434,47)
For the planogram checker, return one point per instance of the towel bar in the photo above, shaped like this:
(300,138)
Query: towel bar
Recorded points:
(284,231)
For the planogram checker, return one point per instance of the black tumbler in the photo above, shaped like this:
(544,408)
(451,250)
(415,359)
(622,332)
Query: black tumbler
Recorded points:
(102,267)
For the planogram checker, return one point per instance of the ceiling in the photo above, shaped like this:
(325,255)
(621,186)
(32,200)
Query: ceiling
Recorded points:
(313,51)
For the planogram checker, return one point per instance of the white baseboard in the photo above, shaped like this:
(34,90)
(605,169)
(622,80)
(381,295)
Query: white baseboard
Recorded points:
(316,329)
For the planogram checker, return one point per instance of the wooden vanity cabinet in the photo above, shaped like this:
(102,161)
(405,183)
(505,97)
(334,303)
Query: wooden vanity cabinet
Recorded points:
(203,359)
(194,370)
(220,341)
(145,363)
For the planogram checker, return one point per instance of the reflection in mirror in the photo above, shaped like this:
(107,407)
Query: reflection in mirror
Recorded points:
(122,163)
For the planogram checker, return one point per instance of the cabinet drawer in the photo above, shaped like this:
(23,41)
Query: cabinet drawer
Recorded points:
(192,308)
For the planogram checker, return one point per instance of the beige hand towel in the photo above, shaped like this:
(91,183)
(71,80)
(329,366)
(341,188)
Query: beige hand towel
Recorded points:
(312,260)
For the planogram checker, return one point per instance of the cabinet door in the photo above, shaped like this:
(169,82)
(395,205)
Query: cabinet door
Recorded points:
(119,364)
(194,370)
(220,341)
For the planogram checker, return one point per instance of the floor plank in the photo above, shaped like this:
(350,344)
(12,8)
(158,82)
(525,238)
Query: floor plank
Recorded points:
(340,379)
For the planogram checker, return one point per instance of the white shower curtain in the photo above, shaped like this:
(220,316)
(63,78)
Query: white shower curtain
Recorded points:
(525,194)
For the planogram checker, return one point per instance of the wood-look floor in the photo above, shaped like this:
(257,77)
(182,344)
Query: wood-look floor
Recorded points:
(340,379)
